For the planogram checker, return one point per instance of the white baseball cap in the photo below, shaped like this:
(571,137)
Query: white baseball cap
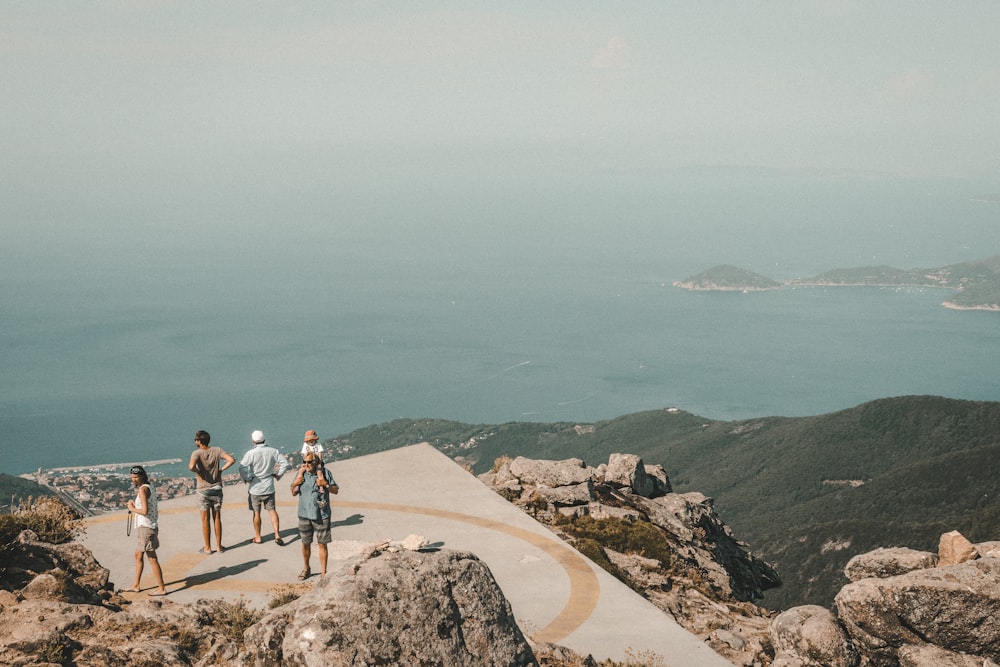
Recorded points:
(257,437)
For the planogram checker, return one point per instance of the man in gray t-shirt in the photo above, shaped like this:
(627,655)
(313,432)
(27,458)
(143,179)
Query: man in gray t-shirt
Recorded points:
(205,464)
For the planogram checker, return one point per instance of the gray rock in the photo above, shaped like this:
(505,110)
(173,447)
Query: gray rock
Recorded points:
(988,549)
(567,496)
(628,470)
(927,655)
(547,473)
(405,608)
(891,562)
(680,513)
(601,511)
(661,483)
(809,636)
(955,607)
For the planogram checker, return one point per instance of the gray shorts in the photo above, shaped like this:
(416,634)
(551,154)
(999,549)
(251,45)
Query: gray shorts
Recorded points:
(209,499)
(257,502)
(148,539)
(319,528)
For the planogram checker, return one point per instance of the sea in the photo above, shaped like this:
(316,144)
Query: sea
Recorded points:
(128,325)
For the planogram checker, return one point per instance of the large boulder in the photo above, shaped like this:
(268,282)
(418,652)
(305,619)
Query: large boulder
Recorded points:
(809,636)
(928,655)
(628,471)
(404,608)
(892,562)
(545,473)
(955,607)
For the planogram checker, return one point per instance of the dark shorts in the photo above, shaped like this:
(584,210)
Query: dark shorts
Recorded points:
(255,503)
(148,539)
(320,528)
(209,499)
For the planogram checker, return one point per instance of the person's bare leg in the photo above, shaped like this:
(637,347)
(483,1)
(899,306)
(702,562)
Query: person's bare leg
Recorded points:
(138,573)
(322,559)
(306,554)
(218,527)
(275,523)
(256,527)
(205,534)
(154,565)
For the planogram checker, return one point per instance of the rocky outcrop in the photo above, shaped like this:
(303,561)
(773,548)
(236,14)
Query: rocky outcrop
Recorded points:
(393,606)
(687,563)
(905,607)
(64,572)
(57,607)
(406,608)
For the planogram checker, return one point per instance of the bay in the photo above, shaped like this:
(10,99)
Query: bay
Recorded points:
(120,339)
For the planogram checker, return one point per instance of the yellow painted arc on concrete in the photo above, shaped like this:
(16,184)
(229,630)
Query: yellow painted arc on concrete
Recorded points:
(584,589)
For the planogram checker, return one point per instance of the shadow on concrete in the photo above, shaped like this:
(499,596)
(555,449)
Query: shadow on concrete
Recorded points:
(266,538)
(222,572)
(353,520)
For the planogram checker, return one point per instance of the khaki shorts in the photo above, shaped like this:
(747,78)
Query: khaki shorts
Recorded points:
(256,503)
(148,539)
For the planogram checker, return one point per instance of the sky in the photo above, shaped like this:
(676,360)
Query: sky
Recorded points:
(141,96)
(127,126)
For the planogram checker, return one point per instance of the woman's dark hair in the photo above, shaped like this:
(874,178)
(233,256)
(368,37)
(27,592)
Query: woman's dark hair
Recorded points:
(203,437)
(141,472)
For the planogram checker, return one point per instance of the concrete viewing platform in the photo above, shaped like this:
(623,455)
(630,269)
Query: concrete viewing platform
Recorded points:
(557,594)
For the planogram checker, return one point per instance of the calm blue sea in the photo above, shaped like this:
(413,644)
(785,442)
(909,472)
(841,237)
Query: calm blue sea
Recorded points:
(121,335)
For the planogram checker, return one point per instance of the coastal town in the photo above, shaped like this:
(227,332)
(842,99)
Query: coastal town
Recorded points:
(107,488)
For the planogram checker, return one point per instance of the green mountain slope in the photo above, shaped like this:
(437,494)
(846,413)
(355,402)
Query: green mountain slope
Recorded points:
(806,493)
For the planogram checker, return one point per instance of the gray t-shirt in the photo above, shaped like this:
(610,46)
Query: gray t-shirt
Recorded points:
(206,467)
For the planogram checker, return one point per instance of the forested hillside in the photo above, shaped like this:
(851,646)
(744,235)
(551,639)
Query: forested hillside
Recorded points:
(806,493)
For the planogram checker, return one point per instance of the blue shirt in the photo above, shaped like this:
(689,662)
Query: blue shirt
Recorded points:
(257,466)
(309,492)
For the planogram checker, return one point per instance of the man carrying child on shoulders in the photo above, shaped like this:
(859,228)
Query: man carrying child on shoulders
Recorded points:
(313,485)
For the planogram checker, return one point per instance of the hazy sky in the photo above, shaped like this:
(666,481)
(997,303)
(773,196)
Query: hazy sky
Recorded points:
(147,94)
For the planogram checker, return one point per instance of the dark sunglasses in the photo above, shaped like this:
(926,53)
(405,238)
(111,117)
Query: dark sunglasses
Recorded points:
(310,462)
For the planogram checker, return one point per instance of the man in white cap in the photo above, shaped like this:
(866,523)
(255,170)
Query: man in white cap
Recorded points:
(259,467)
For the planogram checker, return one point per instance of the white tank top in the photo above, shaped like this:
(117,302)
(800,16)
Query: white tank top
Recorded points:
(152,515)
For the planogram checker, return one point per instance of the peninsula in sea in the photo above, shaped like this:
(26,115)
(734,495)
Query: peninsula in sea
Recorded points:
(975,285)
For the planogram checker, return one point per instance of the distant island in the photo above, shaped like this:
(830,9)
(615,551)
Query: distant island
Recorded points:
(975,285)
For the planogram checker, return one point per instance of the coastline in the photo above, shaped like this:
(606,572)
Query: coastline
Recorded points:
(993,308)
(692,287)
(111,466)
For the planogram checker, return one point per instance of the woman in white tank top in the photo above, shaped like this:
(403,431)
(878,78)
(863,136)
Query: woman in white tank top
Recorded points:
(146,516)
